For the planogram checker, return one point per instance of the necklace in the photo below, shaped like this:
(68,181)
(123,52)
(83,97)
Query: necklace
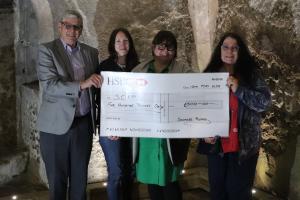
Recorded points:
(123,66)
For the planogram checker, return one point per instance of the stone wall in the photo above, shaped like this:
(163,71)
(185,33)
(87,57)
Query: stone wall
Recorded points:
(270,27)
(144,19)
(29,93)
(294,193)
(7,77)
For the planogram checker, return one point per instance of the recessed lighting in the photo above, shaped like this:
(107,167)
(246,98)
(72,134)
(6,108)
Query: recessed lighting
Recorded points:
(183,171)
(253,191)
(104,184)
(14,197)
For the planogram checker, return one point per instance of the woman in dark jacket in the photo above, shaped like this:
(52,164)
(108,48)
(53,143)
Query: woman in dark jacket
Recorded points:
(117,151)
(232,161)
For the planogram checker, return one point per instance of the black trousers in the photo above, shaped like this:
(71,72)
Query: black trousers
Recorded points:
(230,180)
(172,191)
(66,160)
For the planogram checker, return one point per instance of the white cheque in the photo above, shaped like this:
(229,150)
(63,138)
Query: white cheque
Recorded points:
(193,105)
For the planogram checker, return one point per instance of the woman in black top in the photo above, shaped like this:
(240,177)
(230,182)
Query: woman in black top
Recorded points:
(117,151)
(122,54)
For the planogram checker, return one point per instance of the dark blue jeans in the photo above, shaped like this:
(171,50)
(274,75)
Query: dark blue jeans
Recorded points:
(229,179)
(119,167)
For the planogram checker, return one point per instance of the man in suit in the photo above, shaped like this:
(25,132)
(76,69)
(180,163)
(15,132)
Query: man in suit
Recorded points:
(66,71)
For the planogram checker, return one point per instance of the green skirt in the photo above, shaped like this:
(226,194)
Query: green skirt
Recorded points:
(154,165)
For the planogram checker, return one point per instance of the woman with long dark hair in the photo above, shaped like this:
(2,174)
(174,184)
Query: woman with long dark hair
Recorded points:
(117,151)
(122,53)
(232,160)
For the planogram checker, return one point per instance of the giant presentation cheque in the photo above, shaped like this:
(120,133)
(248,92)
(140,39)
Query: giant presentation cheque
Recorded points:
(193,105)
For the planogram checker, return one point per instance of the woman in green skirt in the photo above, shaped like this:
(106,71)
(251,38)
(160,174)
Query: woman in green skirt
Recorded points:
(159,162)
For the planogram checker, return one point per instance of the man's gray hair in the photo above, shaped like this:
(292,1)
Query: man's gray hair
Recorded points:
(71,14)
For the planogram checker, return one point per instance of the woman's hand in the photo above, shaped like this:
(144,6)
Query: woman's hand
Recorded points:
(210,140)
(232,83)
(113,137)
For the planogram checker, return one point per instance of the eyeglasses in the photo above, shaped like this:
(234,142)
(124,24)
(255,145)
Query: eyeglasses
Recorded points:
(162,47)
(228,48)
(71,26)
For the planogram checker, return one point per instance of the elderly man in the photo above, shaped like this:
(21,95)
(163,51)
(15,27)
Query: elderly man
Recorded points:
(66,118)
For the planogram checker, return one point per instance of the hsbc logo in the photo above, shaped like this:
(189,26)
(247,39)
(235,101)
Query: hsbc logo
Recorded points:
(120,81)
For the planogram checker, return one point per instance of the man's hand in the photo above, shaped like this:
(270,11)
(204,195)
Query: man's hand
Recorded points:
(94,80)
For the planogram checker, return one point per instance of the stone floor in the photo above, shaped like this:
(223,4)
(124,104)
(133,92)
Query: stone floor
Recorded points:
(141,194)
(96,193)
(193,184)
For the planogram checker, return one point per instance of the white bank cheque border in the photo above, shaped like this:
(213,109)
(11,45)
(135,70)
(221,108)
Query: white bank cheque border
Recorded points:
(191,105)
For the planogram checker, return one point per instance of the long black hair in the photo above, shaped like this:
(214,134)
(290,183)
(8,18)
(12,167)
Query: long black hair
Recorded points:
(245,67)
(131,58)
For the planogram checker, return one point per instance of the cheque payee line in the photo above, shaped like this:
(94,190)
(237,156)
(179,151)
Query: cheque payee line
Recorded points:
(163,107)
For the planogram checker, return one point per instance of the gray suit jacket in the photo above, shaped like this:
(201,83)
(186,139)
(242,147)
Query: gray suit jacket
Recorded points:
(60,90)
